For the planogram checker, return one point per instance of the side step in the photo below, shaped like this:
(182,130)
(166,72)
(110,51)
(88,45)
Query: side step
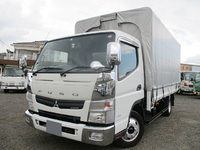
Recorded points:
(147,122)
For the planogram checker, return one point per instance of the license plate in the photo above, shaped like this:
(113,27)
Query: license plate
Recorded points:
(11,88)
(53,128)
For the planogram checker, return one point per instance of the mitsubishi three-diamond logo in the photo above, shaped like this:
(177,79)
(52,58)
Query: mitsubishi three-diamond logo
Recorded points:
(55,104)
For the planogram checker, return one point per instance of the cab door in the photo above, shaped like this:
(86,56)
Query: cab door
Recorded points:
(129,83)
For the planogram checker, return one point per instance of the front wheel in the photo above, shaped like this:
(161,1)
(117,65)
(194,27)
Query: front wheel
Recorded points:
(134,131)
(6,90)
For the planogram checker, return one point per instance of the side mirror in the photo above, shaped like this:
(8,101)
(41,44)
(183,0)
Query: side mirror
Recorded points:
(23,61)
(97,66)
(113,53)
(38,54)
(182,78)
(25,72)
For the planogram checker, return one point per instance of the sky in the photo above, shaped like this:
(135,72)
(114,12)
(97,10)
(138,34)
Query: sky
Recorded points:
(35,20)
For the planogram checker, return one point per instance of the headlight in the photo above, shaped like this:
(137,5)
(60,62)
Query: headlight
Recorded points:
(30,100)
(102,111)
(3,83)
(21,84)
(28,88)
(104,87)
(97,117)
(102,106)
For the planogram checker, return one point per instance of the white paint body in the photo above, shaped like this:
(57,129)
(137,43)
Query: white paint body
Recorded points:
(12,79)
(80,86)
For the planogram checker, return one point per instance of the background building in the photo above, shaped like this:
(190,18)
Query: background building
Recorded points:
(190,67)
(11,59)
(31,49)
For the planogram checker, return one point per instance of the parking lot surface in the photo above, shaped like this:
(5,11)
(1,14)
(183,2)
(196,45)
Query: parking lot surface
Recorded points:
(181,130)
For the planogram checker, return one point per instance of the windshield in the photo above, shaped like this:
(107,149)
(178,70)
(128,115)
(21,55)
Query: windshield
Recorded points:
(197,78)
(14,72)
(74,52)
(190,76)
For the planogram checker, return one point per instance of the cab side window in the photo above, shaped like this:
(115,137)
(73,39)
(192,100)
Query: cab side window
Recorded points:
(128,60)
(182,76)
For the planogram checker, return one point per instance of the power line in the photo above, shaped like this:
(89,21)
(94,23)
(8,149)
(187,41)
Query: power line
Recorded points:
(3,43)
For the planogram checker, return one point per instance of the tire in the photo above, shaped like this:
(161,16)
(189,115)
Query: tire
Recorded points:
(6,91)
(169,110)
(134,133)
(181,92)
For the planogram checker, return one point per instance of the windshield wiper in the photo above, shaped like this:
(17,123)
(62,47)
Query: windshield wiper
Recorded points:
(62,73)
(57,68)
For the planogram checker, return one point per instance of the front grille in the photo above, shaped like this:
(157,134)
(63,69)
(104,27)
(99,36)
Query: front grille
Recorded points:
(191,86)
(63,104)
(59,116)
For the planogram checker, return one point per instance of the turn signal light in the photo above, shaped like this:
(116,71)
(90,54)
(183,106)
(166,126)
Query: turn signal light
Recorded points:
(185,84)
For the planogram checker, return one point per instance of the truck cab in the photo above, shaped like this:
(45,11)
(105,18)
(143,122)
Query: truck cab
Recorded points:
(187,79)
(197,82)
(76,87)
(12,79)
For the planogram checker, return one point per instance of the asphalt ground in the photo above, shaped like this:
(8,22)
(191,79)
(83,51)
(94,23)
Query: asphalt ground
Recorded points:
(179,131)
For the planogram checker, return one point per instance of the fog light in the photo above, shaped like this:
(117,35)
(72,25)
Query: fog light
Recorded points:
(27,119)
(96,136)
(37,121)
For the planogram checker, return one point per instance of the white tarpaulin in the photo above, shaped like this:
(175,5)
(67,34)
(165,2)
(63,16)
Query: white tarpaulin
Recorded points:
(161,51)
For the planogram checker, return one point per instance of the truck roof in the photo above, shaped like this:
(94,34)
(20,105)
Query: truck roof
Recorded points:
(161,52)
(117,32)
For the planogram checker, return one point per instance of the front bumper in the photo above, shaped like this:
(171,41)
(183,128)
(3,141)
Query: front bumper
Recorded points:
(13,87)
(78,132)
(189,90)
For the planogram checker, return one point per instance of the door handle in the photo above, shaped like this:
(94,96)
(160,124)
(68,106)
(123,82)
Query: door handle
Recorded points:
(139,87)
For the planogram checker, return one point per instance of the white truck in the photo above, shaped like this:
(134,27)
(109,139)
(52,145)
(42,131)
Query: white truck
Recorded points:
(117,73)
(12,79)
(187,80)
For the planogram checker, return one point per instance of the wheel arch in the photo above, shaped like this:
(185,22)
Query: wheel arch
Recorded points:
(131,139)
(137,107)
(172,99)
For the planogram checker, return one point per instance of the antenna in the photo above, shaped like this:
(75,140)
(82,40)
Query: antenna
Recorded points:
(50,30)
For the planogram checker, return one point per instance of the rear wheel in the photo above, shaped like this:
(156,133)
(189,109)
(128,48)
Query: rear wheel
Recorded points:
(169,110)
(134,131)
